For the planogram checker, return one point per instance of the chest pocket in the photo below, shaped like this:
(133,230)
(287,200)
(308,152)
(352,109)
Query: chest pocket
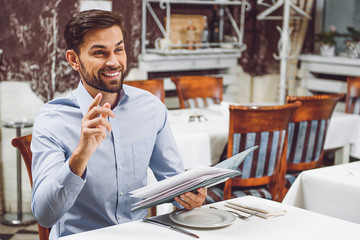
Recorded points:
(142,151)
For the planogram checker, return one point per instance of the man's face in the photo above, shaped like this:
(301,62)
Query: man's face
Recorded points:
(102,59)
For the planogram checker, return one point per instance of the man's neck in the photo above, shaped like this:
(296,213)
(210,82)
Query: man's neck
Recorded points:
(112,98)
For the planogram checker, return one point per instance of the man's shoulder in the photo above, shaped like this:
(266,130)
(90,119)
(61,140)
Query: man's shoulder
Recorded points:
(55,114)
(140,95)
(59,104)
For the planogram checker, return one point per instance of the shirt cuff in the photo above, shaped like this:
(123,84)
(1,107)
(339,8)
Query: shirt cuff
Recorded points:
(71,181)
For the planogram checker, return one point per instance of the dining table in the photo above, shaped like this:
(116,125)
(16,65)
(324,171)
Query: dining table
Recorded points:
(293,223)
(333,191)
(204,132)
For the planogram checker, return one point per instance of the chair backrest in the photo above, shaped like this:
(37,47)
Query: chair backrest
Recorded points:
(352,101)
(155,86)
(23,145)
(307,130)
(198,91)
(266,127)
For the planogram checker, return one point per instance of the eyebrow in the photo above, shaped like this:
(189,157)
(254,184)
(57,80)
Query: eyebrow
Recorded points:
(103,47)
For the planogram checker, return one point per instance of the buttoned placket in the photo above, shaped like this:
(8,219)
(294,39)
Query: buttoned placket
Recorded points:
(117,151)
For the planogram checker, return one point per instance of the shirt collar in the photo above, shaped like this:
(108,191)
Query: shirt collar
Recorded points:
(84,98)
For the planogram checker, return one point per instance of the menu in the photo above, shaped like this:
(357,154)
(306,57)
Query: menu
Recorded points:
(190,180)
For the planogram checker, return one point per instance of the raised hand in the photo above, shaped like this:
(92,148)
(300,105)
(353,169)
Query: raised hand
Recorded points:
(93,131)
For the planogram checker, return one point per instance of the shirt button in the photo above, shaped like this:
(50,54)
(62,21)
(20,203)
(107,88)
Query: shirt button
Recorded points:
(121,193)
(119,167)
(117,140)
(119,217)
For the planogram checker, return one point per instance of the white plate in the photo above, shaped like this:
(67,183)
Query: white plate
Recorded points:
(203,218)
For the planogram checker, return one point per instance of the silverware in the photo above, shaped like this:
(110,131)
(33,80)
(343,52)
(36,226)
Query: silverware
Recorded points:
(236,213)
(248,211)
(153,221)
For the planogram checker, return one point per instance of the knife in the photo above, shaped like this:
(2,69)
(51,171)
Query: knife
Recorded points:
(153,221)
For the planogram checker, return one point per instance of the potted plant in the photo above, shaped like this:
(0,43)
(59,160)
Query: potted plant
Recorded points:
(352,44)
(327,41)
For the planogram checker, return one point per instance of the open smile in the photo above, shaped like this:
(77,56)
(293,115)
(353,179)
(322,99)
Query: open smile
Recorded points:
(111,74)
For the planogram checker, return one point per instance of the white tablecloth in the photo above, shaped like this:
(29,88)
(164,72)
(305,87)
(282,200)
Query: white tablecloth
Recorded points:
(297,224)
(334,191)
(344,130)
(214,124)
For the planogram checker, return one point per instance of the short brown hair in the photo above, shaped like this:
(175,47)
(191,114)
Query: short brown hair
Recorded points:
(84,21)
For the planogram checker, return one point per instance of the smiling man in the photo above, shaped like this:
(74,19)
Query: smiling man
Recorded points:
(91,148)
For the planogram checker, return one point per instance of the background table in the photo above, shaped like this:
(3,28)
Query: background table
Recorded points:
(334,191)
(343,134)
(296,224)
(214,124)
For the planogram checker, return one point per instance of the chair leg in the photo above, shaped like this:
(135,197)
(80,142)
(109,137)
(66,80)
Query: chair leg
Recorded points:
(227,190)
(153,211)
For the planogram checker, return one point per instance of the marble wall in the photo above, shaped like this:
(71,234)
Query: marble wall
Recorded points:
(33,46)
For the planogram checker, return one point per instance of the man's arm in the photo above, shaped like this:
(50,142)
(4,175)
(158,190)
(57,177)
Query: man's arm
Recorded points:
(57,182)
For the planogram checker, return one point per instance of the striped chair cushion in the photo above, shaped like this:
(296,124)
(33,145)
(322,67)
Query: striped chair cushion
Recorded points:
(306,140)
(290,179)
(216,194)
(262,162)
(200,102)
(354,105)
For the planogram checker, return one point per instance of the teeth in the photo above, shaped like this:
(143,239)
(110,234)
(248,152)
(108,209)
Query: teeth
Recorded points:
(111,74)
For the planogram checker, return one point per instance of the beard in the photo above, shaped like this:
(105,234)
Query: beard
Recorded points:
(96,82)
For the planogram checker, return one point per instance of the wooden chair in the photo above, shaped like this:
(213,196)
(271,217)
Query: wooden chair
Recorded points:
(352,101)
(155,86)
(307,131)
(23,145)
(263,171)
(198,91)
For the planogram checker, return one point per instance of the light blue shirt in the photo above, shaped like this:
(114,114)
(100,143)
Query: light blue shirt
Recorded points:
(140,138)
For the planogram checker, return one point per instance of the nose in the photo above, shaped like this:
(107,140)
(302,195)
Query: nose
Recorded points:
(112,61)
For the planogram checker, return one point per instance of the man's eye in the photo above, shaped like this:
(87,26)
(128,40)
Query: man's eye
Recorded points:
(98,53)
(119,50)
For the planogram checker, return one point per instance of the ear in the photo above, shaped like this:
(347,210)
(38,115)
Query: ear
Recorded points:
(73,59)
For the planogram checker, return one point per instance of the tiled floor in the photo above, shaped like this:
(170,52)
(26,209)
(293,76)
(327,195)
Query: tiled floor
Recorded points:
(29,232)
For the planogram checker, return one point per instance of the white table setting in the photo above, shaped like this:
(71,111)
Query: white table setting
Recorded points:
(334,191)
(219,223)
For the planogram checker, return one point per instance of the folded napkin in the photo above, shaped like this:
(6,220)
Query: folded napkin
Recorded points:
(259,209)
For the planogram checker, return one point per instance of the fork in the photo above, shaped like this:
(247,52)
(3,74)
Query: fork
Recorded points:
(236,213)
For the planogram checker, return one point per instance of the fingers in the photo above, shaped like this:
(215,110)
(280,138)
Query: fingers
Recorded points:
(107,106)
(191,200)
(100,113)
(95,110)
(96,125)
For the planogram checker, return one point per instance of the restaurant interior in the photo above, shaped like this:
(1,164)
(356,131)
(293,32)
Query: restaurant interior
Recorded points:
(285,72)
